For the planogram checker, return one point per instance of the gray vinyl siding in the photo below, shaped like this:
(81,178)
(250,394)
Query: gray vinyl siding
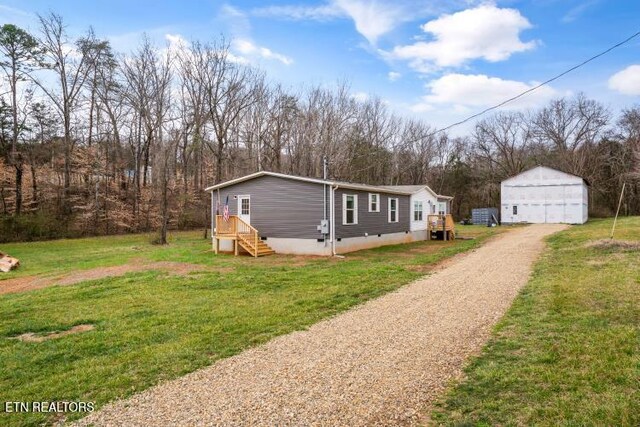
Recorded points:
(280,207)
(372,222)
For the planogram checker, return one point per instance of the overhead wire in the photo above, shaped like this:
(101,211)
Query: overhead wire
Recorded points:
(528,91)
(538,86)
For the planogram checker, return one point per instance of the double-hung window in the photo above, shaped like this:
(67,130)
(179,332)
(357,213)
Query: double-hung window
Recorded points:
(393,209)
(417,211)
(374,202)
(349,209)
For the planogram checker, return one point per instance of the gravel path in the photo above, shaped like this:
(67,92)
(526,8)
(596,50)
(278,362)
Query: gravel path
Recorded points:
(381,363)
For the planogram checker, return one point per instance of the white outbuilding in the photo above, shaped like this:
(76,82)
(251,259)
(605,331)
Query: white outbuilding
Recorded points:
(544,195)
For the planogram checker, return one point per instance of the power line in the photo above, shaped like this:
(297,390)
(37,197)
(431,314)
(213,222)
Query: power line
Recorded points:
(520,95)
(546,82)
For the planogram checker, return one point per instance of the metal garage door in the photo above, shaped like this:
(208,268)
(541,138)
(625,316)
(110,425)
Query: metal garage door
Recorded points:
(555,212)
(536,214)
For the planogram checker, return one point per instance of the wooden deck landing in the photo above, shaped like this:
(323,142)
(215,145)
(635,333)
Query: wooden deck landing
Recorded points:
(441,227)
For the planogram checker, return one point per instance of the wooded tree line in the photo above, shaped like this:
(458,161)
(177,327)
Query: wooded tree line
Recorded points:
(97,142)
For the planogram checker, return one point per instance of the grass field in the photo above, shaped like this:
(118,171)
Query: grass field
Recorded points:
(152,326)
(568,350)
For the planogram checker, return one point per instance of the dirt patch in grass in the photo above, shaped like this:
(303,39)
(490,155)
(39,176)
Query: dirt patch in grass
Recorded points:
(29,283)
(615,245)
(603,261)
(38,337)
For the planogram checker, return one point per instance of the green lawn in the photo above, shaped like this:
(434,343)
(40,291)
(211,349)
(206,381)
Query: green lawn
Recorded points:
(152,326)
(568,350)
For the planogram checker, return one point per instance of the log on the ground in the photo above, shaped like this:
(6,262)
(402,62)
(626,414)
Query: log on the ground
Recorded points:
(8,263)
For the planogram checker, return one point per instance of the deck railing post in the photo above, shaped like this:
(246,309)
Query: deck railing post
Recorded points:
(255,234)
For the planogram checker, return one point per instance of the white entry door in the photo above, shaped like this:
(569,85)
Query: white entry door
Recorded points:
(244,208)
(515,212)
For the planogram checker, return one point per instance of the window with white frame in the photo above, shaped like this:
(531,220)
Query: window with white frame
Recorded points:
(244,206)
(442,208)
(393,210)
(417,211)
(374,202)
(349,209)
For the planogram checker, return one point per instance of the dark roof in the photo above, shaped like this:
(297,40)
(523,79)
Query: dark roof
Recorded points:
(393,189)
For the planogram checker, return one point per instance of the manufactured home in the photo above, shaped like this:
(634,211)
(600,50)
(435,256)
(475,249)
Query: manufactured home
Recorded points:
(268,212)
(544,195)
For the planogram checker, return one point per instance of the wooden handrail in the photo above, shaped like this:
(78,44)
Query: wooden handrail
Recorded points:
(241,230)
(438,222)
(228,227)
(443,223)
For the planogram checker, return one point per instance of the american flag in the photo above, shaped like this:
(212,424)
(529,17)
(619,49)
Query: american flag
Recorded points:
(225,212)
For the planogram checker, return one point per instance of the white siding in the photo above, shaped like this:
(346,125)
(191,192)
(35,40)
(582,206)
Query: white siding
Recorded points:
(544,195)
(428,200)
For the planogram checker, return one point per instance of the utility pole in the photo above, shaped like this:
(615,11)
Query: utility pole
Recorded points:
(613,229)
(324,194)
(324,167)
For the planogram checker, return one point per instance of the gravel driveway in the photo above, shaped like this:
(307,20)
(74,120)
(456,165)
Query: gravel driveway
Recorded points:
(381,363)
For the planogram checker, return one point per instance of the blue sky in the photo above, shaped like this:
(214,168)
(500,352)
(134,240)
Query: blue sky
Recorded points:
(436,60)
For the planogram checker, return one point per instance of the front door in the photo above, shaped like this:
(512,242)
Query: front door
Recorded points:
(244,208)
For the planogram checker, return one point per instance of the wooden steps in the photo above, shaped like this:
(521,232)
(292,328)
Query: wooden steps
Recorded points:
(244,236)
(264,249)
(246,244)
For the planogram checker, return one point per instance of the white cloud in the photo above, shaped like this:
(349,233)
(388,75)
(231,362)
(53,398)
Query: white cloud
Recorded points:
(236,20)
(486,32)
(575,12)
(393,76)
(71,52)
(360,96)
(422,107)
(464,90)
(626,81)
(176,41)
(130,41)
(372,18)
(237,59)
(242,43)
(317,13)
(8,10)
(247,47)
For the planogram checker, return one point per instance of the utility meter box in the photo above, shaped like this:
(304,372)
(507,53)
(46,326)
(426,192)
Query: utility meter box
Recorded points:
(324,226)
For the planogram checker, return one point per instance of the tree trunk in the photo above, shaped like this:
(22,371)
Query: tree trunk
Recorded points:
(34,184)
(4,202)
(15,159)
(165,197)
(19,171)
(219,155)
(67,165)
